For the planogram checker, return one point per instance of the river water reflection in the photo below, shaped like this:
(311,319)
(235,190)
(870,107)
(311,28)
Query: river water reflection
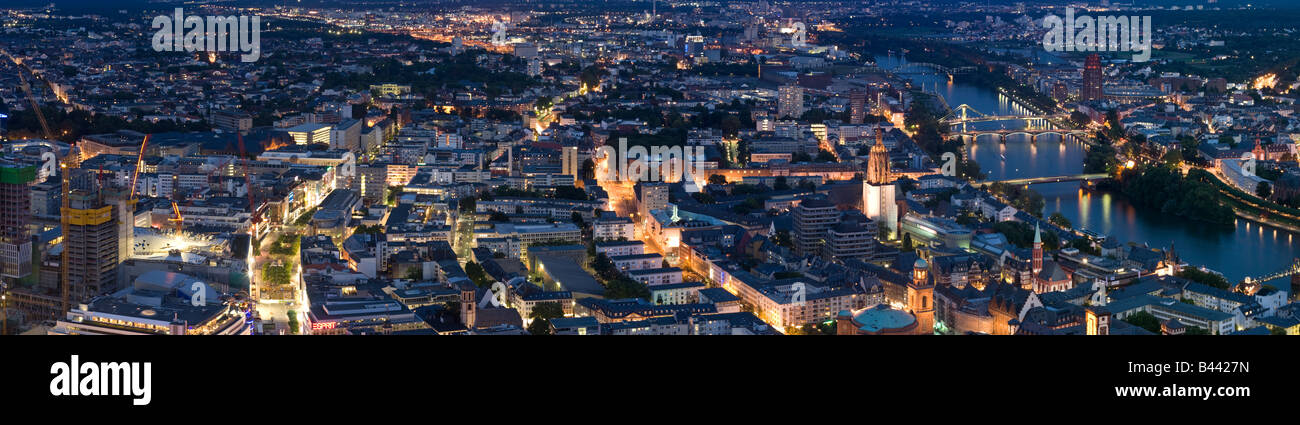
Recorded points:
(1245,249)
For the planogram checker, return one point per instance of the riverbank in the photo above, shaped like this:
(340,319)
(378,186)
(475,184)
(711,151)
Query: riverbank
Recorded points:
(1245,248)
(1170,192)
(1254,208)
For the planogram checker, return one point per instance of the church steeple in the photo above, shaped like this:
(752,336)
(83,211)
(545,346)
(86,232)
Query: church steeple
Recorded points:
(1038,251)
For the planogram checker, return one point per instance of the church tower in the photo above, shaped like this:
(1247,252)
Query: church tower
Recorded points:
(878,161)
(878,202)
(467,304)
(920,298)
(1038,252)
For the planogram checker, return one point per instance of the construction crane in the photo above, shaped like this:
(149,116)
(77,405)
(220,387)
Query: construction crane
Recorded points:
(69,162)
(139,163)
(179,220)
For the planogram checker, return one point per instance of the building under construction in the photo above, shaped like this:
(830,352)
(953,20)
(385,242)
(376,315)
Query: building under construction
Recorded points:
(91,239)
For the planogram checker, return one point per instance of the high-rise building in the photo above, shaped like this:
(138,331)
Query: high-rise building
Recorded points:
(878,189)
(1092,78)
(812,219)
(91,241)
(789,101)
(857,106)
(15,213)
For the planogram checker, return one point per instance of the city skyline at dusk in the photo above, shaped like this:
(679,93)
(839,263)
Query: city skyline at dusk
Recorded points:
(649,168)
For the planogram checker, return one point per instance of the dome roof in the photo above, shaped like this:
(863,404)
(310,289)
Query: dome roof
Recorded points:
(920,264)
(882,318)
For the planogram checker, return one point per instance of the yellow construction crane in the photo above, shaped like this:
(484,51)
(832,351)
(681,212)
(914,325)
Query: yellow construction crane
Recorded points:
(179,220)
(69,161)
(139,163)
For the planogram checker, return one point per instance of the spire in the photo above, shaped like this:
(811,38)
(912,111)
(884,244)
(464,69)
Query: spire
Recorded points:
(878,161)
(1038,237)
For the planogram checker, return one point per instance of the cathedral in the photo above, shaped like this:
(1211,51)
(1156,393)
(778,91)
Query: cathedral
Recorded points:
(878,202)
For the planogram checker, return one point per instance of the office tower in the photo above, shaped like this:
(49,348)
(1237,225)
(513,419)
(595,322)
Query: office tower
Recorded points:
(15,213)
(878,189)
(1092,78)
(857,106)
(789,101)
(812,218)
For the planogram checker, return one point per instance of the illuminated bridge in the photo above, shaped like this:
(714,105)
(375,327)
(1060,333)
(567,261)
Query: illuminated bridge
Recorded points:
(1291,270)
(965,114)
(1052,179)
(1001,135)
(930,68)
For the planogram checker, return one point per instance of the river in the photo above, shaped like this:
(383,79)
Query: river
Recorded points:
(1246,249)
